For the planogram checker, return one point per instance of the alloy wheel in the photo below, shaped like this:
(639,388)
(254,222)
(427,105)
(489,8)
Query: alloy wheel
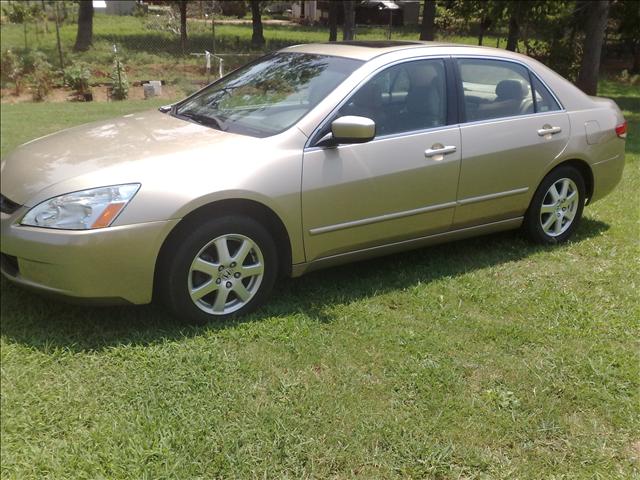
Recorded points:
(226,274)
(559,207)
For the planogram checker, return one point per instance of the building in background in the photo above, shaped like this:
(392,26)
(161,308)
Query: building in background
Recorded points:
(368,12)
(114,7)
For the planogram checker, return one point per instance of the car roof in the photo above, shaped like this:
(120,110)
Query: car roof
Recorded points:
(365,49)
(368,49)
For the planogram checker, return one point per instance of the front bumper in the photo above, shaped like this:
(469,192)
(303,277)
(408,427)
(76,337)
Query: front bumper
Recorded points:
(109,265)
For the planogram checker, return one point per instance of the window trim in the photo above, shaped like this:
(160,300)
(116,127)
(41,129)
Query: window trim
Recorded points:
(532,74)
(533,93)
(450,89)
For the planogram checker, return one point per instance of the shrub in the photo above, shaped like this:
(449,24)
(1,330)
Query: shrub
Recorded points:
(12,70)
(627,78)
(31,59)
(41,78)
(16,12)
(120,83)
(77,77)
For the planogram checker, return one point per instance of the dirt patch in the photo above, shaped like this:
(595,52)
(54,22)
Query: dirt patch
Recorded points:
(58,95)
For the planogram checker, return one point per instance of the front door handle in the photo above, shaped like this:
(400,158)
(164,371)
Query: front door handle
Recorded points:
(548,130)
(437,151)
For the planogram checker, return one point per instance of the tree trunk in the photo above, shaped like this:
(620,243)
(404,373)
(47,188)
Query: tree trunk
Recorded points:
(514,28)
(183,25)
(636,60)
(349,20)
(84,37)
(257,38)
(427,32)
(485,23)
(594,34)
(333,21)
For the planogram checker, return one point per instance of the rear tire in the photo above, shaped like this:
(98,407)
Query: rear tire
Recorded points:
(225,267)
(556,208)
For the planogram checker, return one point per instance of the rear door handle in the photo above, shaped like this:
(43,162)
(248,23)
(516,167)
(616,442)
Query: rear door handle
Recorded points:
(439,150)
(549,130)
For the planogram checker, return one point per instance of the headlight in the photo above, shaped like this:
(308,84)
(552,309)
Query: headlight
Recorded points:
(95,208)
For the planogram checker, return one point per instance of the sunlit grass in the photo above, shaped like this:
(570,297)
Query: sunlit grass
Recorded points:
(488,358)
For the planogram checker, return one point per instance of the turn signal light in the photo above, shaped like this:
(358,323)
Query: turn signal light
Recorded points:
(621,130)
(108,215)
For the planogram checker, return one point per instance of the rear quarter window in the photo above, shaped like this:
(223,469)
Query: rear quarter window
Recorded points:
(545,102)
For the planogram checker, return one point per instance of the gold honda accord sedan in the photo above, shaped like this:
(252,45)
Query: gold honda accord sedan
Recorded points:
(309,157)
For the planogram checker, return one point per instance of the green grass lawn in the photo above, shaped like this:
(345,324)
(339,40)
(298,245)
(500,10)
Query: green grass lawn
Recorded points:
(487,358)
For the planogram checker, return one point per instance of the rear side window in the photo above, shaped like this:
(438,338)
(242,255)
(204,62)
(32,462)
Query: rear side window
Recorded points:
(495,89)
(544,100)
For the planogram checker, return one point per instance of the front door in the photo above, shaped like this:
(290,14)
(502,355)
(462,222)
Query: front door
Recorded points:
(395,187)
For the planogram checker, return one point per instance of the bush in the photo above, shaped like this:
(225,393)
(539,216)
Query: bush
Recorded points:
(31,59)
(12,70)
(628,78)
(77,77)
(16,12)
(120,83)
(41,78)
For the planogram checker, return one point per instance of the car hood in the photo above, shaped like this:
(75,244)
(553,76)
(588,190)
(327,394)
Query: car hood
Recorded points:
(70,153)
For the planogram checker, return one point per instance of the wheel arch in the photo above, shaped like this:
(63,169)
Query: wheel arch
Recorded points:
(585,170)
(238,206)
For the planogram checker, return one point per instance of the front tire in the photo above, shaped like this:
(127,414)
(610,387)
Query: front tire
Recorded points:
(224,268)
(556,208)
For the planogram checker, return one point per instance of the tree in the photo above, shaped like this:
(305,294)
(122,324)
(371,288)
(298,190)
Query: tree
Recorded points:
(525,15)
(84,37)
(348,26)
(428,20)
(485,23)
(627,14)
(515,10)
(597,17)
(257,38)
(333,21)
(491,13)
(486,12)
(183,25)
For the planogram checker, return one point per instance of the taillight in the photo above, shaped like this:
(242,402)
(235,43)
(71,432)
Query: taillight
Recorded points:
(621,130)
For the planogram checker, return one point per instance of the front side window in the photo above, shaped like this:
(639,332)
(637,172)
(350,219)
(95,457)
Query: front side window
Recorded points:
(403,98)
(267,96)
(495,89)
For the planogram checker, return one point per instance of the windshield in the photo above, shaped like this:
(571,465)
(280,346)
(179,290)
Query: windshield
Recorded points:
(269,95)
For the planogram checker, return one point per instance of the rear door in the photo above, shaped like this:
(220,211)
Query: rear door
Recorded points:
(514,128)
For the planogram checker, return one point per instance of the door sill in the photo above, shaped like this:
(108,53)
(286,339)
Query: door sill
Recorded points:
(366,253)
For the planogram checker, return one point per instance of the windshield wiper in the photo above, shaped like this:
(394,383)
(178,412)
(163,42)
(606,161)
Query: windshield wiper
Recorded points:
(202,119)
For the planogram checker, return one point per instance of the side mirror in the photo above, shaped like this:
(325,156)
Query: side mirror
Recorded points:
(349,129)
